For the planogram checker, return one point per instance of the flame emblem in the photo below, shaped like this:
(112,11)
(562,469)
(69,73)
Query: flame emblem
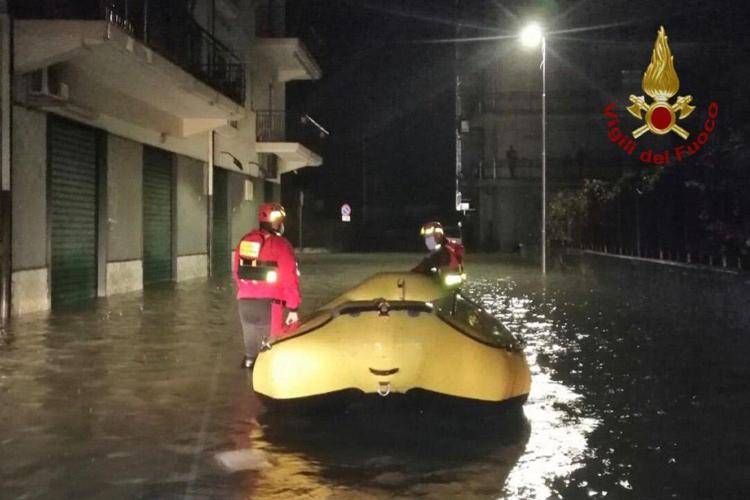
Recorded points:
(661,83)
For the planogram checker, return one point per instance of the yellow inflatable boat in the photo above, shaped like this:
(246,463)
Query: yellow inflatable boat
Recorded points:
(396,333)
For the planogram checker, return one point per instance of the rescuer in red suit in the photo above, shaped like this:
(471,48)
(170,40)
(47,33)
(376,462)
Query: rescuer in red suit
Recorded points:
(267,278)
(445,254)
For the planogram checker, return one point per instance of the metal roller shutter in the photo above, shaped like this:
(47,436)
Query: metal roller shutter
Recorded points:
(220,248)
(157,216)
(73,211)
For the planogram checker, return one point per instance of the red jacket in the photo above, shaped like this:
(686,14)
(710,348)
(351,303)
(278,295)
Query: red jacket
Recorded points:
(450,257)
(277,252)
(456,249)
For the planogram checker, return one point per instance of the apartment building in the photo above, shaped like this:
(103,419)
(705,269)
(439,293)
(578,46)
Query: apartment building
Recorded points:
(138,139)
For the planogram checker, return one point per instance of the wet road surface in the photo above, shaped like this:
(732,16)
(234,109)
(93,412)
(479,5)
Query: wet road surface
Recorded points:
(142,396)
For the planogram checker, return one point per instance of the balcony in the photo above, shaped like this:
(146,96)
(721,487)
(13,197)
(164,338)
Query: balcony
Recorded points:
(147,63)
(297,139)
(167,27)
(292,53)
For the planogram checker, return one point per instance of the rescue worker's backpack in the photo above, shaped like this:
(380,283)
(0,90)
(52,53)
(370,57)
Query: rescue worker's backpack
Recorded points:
(457,250)
(250,266)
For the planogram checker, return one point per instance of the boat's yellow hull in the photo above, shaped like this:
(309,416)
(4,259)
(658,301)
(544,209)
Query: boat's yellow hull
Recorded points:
(387,354)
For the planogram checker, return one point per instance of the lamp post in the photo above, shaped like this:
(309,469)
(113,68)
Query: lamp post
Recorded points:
(531,36)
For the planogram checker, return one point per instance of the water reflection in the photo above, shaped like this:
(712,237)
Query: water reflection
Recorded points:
(558,442)
(388,446)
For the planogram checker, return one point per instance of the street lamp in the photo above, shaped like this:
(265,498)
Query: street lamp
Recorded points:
(531,36)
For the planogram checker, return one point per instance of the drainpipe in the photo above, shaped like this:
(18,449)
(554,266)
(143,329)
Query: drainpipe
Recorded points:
(145,22)
(210,198)
(6,206)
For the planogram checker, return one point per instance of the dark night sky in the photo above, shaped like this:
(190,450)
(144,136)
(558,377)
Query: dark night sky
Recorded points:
(388,98)
(389,103)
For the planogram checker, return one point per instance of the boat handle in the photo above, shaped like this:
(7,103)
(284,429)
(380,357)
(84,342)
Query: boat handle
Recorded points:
(384,388)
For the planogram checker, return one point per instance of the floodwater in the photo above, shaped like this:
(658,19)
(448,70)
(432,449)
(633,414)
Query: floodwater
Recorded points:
(142,396)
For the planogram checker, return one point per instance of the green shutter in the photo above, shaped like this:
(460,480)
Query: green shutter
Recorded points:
(73,211)
(157,216)
(220,248)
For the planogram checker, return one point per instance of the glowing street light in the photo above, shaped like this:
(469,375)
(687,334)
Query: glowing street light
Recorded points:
(531,36)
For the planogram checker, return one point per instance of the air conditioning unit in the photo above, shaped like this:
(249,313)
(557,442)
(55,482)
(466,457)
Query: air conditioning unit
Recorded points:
(45,85)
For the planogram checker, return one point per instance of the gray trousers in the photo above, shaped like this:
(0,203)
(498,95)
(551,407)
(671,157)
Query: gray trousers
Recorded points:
(255,316)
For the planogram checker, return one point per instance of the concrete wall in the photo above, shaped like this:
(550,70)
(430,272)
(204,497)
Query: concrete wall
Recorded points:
(266,91)
(509,214)
(124,215)
(124,199)
(242,213)
(29,189)
(30,277)
(191,219)
(683,290)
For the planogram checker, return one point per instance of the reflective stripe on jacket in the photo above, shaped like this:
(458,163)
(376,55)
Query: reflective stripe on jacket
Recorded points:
(273,249)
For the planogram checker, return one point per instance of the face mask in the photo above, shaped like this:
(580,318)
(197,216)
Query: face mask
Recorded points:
(430,243)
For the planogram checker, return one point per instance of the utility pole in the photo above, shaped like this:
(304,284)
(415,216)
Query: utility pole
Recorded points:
(638,194)
(363,165)
(6,205)
(458,174)
(544,156)
(300,205)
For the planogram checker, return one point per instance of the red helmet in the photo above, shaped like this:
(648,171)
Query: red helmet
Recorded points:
(432,228)
(271,213)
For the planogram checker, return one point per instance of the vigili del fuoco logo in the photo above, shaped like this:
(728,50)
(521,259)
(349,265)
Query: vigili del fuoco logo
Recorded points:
(660,116)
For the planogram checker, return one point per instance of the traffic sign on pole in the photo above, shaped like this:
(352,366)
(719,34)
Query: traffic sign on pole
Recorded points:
(346,209)
(346,212)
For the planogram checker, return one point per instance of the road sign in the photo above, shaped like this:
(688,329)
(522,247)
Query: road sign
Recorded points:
(346,212)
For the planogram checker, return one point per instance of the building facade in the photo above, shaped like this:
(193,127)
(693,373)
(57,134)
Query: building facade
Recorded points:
(499,125)
(141,137)
(590,63)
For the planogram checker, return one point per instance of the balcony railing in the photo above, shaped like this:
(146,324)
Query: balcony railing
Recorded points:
(164,25)
(286,126)
(531,102)
(558,169)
